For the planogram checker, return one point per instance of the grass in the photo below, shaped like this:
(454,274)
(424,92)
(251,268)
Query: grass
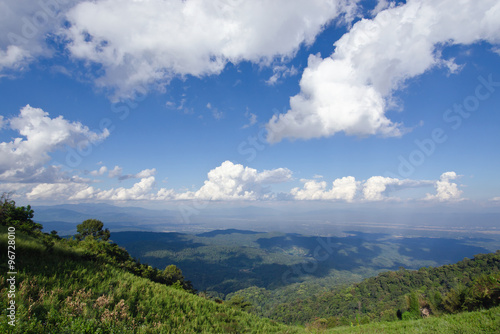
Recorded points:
(61,291)
(486,321)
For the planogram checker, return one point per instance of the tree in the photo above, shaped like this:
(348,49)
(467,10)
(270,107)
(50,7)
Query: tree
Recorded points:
(18,217)
(172,275)
(92,227)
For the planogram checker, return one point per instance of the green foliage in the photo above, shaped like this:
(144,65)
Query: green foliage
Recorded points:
(486,321)
(18,217)
(88,287)
(465,286)
(238,302)
(92,227)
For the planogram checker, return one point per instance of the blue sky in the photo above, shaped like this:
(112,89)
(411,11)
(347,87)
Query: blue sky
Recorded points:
(156,103)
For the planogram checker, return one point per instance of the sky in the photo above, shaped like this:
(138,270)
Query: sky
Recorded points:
(159,102)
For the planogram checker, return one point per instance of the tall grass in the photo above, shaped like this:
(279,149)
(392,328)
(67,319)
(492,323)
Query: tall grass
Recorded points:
(60,291)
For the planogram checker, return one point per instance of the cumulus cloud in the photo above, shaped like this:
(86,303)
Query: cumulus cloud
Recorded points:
(351,90)
(229,181)
(115,172)
(146,173)
(139,43)
(342,189)
(141,190)
(23,158)
(232,181)
(376,187)
(25,28)
(101,171)
(446,191)
(55,191)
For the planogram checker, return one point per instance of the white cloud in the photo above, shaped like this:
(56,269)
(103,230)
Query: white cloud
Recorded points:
(252,119)
(115,172)
(376,187)
(232,181)
(227,182)
(25,27)
(139,191)
(342,189)
(13,57)
(351,90)
(55,191)
(281,71)
(146,173)
(99,172)
(381,5)
(23,158)
(139,43)
(446,190)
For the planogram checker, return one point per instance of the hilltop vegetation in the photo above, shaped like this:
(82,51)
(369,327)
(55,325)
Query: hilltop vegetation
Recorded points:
(87,284)
(468,285)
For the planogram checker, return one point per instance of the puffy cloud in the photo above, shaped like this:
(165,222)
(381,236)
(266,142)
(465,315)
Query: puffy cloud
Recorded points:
(374,188)
(25,27)
(115,172)
(141,175)
(351,90)
(140,190)
(232,181)
(99,172)
(342,189)
(445,190)
(227,182)
(13,57)
(55,191)
(143,42)
(23,158)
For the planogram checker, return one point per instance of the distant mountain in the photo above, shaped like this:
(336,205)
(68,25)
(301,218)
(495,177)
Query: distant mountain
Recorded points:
(223,232)
(64,218)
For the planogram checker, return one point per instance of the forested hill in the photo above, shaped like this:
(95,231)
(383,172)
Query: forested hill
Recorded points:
(468,285)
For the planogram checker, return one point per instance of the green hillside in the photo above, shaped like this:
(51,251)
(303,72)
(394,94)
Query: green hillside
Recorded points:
(468,285)
(485,321)
(65,286)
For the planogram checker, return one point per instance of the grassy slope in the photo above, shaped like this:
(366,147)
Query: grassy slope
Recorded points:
(61,292)
(487,321)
